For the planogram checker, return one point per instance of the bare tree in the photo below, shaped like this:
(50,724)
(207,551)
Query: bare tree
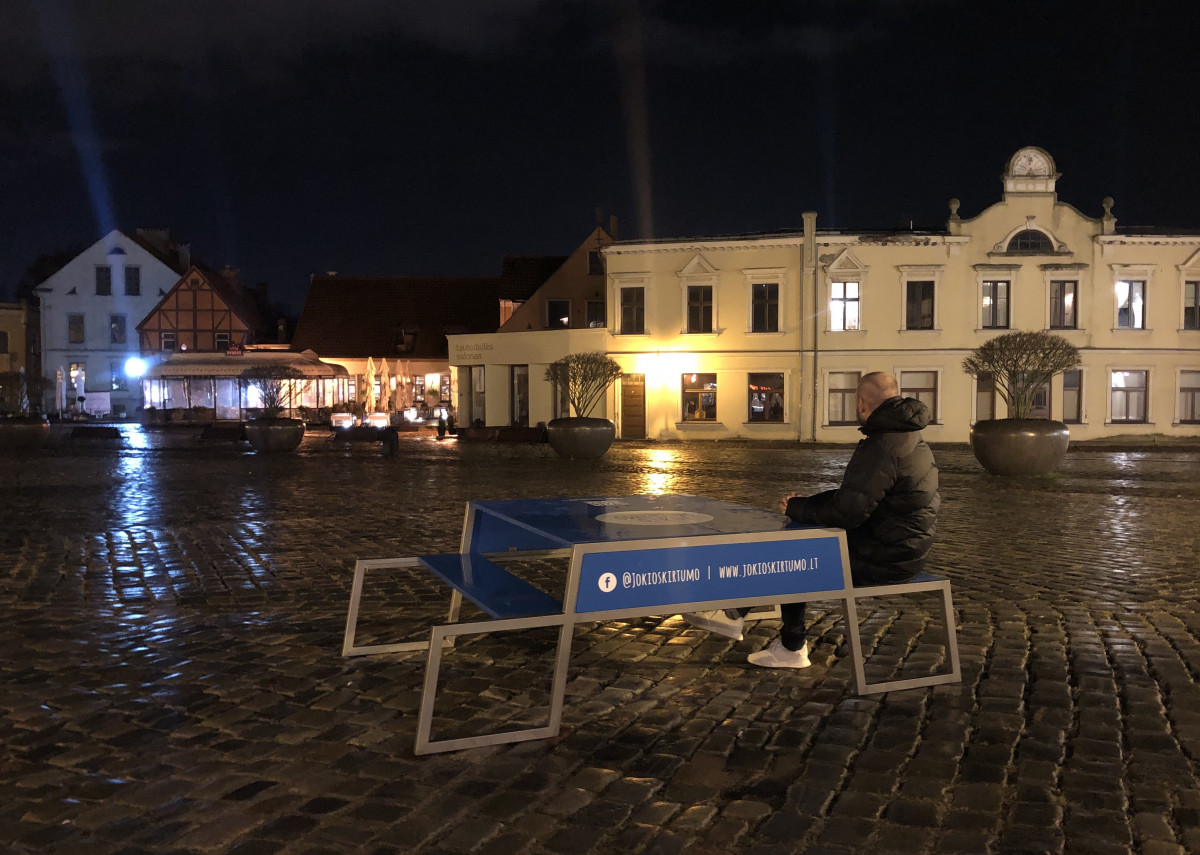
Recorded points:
(1020,364)
(585,376)
(276,385)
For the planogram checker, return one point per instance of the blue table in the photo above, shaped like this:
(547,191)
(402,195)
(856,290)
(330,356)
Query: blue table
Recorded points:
(630,556)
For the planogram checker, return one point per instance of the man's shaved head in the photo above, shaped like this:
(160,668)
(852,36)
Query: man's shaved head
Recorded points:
(873,390)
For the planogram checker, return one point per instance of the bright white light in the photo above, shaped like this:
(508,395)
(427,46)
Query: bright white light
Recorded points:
(135,367)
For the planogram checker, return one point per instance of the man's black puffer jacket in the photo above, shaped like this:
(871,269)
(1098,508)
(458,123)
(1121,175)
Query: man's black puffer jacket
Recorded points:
(888,501)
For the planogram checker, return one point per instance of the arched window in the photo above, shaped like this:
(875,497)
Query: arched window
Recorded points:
(1030,240)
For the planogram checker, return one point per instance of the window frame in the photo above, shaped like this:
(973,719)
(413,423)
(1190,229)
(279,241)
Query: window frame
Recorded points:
(983,309)
(848,396)
(634,311)
(166,336)
(920,273)
(906,391)
(694,297)
(550,319)
(844,300)
(768,405)
(768,303)
(1128,305)
(118,381)
(1060,323)
(700,390)
(136,289)
(1076,418)
(76,320)
(596,320)
(1112,392)
(112,329)
(1191,288)
(1045,244)
(104,280)
(1194,394)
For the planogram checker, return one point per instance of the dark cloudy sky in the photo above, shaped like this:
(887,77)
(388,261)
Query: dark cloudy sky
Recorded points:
(287,137)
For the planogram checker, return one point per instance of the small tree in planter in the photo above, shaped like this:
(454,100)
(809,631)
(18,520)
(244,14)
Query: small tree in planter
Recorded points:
(23,429)
(585,377)
(1020,364)
(276,386)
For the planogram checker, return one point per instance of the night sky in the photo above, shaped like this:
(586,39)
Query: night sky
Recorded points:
(287,137)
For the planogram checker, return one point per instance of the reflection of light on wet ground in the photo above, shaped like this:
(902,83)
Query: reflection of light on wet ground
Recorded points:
(659,477)
(134,437)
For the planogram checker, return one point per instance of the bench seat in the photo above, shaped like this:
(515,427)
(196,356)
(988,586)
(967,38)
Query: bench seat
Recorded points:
(490,586)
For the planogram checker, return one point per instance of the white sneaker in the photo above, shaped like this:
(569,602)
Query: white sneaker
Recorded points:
(777,656)
(716,621)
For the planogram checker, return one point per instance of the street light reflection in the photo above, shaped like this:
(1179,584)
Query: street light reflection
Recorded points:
(659,477)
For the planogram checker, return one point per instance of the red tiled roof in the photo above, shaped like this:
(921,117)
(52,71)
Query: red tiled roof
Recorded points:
(347,317)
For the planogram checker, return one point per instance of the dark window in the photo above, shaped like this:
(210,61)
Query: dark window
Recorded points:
(133,281)
(843,397)
(1030,240)
(699,397)
(520,395)
(985,397)
(1073,396)
(995,305)
(595,314)
(103,280)
(221,341)
(116,329)
(919,306)
(1128,390)
(75,329)
(595,263)
(167,341)
(765,397)
(700,309)
(1131,305)
(558,314)
(3,341)
(119,381)
(1064,300)
(764,307)
(633,311)
(1191,305)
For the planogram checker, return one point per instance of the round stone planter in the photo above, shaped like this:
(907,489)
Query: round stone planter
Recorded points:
(23,433)
(580,438)
(274,435)
(1019,446)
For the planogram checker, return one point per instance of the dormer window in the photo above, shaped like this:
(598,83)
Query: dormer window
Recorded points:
(1030,240)
(405,340)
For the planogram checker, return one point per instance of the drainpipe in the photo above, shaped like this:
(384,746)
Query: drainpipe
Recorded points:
(808,284)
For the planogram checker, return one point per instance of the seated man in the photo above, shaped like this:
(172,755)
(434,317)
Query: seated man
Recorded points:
(887,503)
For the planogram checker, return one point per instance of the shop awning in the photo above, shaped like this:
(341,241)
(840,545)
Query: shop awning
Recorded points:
(222,365)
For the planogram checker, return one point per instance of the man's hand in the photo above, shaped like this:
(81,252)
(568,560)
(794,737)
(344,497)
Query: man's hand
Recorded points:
(783,503)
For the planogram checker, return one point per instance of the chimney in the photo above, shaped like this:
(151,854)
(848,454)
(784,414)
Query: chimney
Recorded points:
(612,226)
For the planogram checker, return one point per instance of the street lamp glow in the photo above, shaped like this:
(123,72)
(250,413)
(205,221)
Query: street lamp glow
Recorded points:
(135,367)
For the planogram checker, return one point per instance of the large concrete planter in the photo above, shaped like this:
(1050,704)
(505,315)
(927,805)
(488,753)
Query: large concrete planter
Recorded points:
(19,434)
(580,437)
(274,435)
(1019,446)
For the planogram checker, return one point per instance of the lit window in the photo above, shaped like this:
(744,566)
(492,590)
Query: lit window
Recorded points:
(1128,391)
(995,305)
(922,385)
(843,306)
(765,397)
(418,384)
(1189,397)
(764,307)
(119,382)
(699,397)
(843,397)
(1131,305)
(1064,297)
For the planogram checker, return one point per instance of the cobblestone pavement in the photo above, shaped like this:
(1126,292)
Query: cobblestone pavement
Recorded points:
(172,681)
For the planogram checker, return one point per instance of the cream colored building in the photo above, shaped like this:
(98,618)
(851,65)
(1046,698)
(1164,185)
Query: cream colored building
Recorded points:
(764,337)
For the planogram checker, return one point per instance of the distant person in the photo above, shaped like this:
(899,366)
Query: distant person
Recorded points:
(887,503)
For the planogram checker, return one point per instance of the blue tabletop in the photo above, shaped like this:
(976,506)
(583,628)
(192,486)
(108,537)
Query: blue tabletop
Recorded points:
(605,519)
